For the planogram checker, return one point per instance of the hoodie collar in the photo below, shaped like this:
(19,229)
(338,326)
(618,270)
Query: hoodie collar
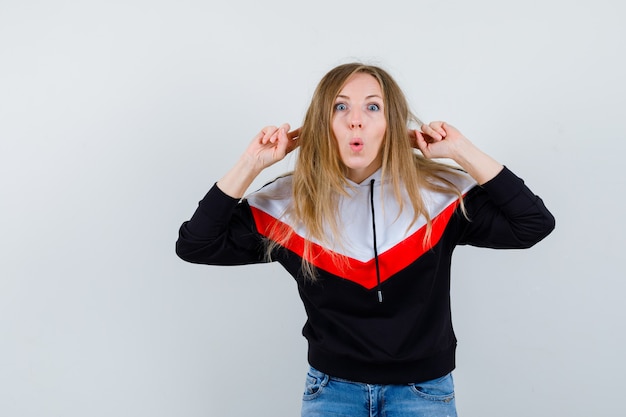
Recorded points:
(376,176)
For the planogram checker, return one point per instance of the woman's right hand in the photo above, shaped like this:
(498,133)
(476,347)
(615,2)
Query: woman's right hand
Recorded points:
(271,145)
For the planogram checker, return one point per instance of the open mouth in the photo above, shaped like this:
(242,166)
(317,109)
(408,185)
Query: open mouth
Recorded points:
(356,144)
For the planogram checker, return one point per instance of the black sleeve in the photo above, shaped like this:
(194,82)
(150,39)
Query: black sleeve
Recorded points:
(220,232)
(504,213)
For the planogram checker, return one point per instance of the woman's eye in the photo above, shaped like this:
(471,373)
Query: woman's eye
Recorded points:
(373,107)
(340,107)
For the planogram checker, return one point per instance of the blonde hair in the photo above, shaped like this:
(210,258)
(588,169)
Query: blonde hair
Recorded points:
(319,174)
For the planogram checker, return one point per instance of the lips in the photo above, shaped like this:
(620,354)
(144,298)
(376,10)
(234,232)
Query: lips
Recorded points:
(356,144)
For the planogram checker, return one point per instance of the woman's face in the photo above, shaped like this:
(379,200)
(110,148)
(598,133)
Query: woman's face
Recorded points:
(359,125)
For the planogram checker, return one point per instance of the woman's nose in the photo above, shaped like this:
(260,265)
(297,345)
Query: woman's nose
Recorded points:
(356,121)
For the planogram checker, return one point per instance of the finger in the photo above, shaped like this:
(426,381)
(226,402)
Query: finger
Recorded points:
(268,132)
(432,139)
(280,134)
(294,134)
(438,127)
(274,137)
(284,144)
(287,142)
(449,128)
(432,136)
(429,130)
(281,141)
(421,143)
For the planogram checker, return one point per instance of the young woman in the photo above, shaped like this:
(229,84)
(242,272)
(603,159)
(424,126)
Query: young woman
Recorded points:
(367,226)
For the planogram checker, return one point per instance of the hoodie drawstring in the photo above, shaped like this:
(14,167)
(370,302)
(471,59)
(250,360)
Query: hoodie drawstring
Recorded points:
(380,292)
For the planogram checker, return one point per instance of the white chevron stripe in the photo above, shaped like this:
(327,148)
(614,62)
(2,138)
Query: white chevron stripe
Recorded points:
(355,214)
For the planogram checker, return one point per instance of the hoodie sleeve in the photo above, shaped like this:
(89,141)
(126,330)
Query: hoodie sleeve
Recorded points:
(505,214)
(220,232)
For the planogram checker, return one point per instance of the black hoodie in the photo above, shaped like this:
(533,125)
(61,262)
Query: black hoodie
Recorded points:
(383,316)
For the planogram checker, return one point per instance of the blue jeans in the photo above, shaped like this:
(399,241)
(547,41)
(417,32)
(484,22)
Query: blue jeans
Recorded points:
(327,396)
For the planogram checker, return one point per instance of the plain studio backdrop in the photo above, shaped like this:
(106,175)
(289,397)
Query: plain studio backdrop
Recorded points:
(117,116)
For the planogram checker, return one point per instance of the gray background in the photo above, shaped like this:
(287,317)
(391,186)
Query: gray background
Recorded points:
(117,116)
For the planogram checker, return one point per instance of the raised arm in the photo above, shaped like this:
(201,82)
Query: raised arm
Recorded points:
(221,230)
(503,212)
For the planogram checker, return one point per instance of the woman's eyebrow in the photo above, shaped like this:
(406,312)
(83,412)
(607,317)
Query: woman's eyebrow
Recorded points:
(367,98)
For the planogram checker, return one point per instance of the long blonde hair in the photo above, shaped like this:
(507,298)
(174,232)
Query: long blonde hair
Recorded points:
(319,176)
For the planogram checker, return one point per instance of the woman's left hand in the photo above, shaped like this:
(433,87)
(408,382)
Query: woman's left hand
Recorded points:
(438,140)
(441,140)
